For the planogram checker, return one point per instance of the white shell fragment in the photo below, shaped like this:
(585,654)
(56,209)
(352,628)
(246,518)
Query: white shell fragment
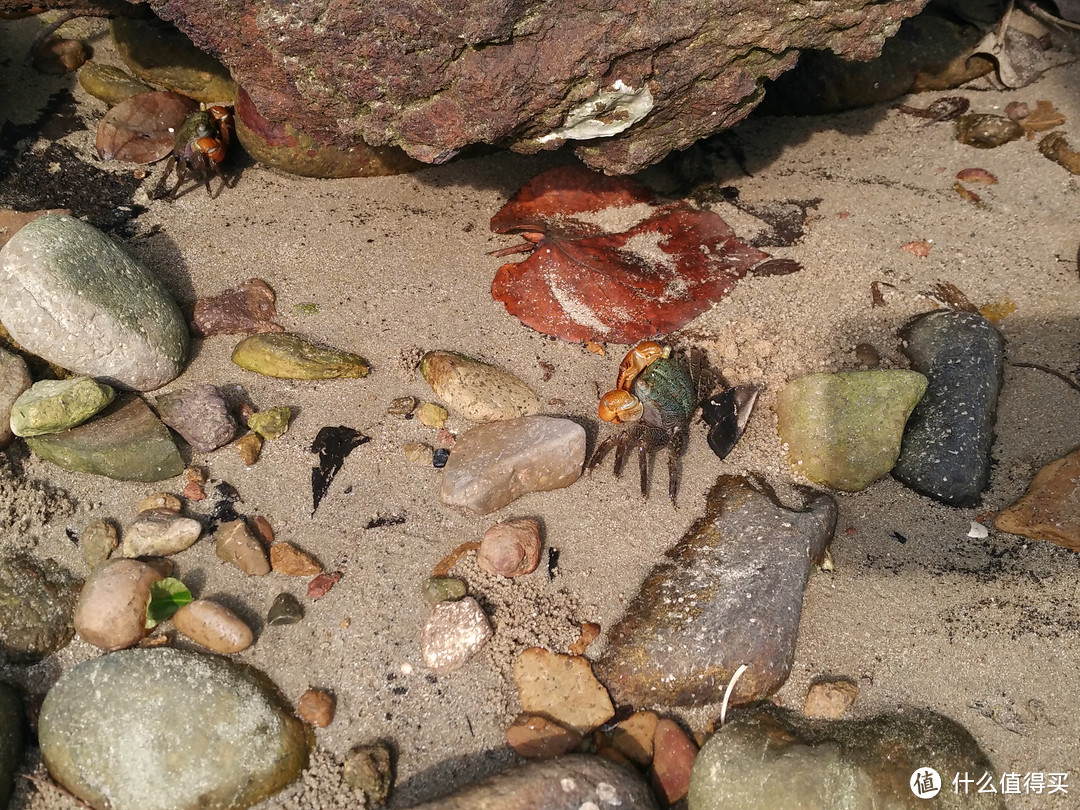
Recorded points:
(977,530)
(604,114)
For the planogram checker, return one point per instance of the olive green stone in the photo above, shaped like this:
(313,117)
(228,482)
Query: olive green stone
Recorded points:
(291,356)
(161,54)
(441,589)
(110,84)
(50,406)
(844,430)
(127,442)
(272,423)
(478,391)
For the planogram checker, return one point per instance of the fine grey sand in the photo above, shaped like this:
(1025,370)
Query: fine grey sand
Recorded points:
(986,631)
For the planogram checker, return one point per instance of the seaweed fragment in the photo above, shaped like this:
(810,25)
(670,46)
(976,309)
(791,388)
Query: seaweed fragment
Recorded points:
(726,414)
(333,444)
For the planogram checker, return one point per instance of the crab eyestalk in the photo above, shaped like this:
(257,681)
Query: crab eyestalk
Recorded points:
(620,406)
(637,360)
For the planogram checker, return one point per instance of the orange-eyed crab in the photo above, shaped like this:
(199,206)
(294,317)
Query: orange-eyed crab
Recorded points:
(199,149)
(656,395)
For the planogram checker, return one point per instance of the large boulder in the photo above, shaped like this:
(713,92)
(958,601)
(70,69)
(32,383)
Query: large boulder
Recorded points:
(628,82)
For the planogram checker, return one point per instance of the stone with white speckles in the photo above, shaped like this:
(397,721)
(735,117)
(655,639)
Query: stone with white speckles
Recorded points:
(212,735)
(729,593)
(571,782)
(454,633)
(74,298)
(946,448)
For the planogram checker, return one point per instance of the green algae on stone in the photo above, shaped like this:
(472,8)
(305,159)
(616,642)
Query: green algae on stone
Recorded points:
(73,297)
(272,423)
(844,430)
(212,734)
(110,84)
(161,54)
(766,756)
(127,442)
(478,391)
(50,406)
(441,589)
(290,356)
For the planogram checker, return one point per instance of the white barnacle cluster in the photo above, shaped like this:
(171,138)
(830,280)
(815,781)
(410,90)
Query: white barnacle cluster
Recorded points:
(604,114)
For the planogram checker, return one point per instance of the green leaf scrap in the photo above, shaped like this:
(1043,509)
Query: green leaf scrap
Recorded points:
(166,597)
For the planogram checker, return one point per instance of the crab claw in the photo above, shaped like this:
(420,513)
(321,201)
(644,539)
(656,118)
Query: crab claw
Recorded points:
(620,406)
(637,360)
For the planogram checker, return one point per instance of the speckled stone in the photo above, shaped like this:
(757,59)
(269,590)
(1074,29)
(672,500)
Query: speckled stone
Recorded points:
(200,415)
(495,463)
(37,604)
(478,391)
(947,441)
(213,735)
(692,625)
(74,298)
(771,757)
(571,782)
(454,633)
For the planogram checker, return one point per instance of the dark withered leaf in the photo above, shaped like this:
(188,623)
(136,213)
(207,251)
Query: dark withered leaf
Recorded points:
(333,444)
(143,128)
(726,414)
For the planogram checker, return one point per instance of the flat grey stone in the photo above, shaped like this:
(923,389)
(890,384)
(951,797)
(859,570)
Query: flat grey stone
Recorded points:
(728,593)
(766,757)
(167,729)
(493,464)
(126,442)
(74,298)
(14,379)
(571,782)
(946,449)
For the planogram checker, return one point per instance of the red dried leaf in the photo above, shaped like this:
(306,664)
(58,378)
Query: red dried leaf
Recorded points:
(319,586)
(143,128)
(611,262)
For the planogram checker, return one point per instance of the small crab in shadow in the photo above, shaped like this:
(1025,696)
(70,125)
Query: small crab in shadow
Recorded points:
(200,147)
(655,396)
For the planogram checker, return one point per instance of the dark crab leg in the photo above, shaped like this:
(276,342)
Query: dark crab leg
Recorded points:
(643,464)
(675,451)
(603,449)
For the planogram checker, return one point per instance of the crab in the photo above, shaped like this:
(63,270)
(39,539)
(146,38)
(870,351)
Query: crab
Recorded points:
(200,146)
(655,396)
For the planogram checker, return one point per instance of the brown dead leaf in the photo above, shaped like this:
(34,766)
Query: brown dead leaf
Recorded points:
(143,128)
(1045,116)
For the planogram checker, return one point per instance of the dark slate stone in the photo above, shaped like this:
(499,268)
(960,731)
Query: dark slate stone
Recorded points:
(11,728)
(729,593)
(37,603)
(766,756)
(572,782)
(946,448)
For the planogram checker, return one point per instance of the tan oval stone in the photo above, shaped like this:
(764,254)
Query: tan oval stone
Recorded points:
(236,545)
(563,688)
(634,737)
(291,561)
(213,626)
(317,707)
(111,612)
(511,548)
(160,532)
(159,500)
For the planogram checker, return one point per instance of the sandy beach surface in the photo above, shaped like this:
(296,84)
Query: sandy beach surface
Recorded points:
(916,612)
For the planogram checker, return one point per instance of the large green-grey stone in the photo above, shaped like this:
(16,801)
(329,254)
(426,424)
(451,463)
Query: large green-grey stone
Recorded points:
(767,757)
(844,430)
(729,593)
(11,723)
(14,379)
(50,406)
(126,442)
(37,605)
(168,729)
(290,356)
(74,298)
